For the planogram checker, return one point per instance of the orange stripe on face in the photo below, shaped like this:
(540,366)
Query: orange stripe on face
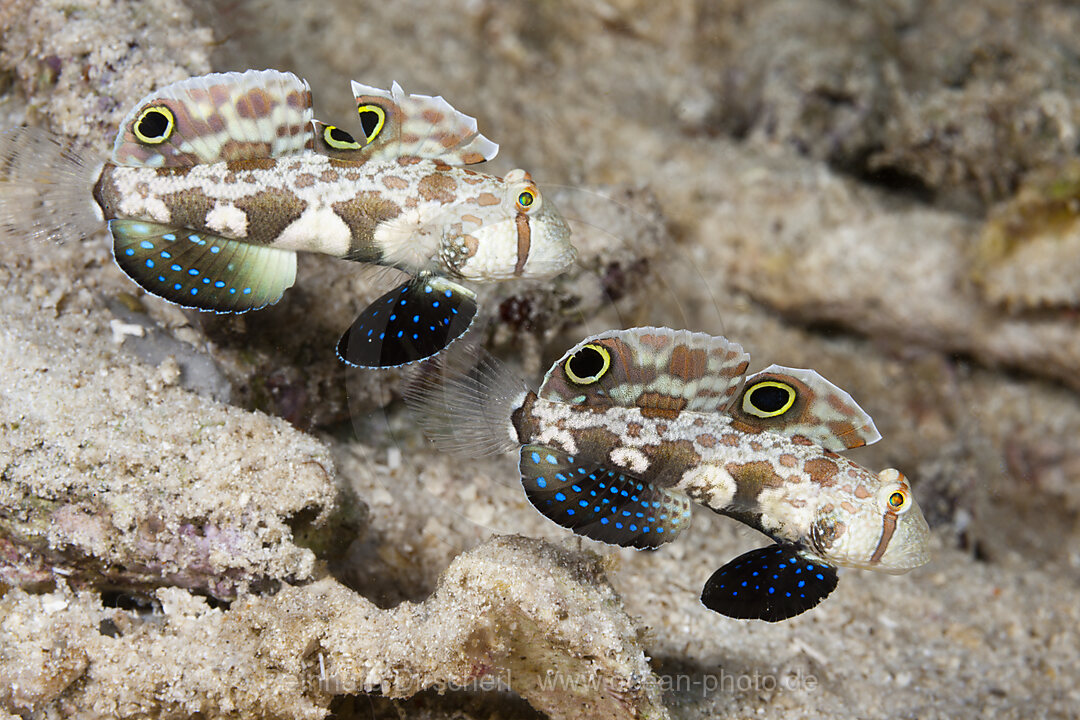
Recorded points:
(524,241)
(888,527)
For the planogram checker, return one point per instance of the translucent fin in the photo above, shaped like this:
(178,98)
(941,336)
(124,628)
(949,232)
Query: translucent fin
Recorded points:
(410,323)
(393,124)
(464,400)
(202,271)
(771,583)
(217,117)
(46,187)
(602,504)
(659,369)
(801,402)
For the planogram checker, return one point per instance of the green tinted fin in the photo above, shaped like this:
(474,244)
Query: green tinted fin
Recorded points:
(202,271)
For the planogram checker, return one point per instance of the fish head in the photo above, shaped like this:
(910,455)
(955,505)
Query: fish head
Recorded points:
(507,233)
(878,526)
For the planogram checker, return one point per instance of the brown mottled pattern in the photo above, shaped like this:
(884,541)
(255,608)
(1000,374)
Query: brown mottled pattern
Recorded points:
(846,432)
(438,187)
(750,479)
(687,364)
(188,209)
(245,149)
(328,176)
(596,442)
(657,405)
(393,182)
(484,199)
(730,440)
(363,214)
(848,507)
(788,460)
(800,440)
(254,104)
(633,429)
(706,440)
(177,171)
(839,405)
(432,116)
(441,166)
(471,158)
(654,342)
(861,492)
(269,212)
(822,471)
(668,461)
(406,161)
(263,163)
(304,180)
(474,179)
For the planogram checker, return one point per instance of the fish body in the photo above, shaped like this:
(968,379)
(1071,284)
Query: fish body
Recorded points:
(215,183)
(630,427)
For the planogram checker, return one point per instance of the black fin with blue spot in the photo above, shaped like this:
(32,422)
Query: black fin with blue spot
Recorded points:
(202,271)
(412,322)
(603,504)
(771,583)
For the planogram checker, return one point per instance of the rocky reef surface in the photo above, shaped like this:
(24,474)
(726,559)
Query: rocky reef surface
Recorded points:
(206,515)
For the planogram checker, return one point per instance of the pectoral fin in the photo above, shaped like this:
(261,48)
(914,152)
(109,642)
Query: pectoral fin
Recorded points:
(412,322)
(771,583)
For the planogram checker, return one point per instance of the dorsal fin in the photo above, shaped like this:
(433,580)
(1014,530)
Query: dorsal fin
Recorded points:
(792,402)
(660,370)
(393,124)
(217,117)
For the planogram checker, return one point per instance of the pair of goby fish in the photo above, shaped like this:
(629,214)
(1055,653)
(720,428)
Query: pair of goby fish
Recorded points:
(631,426)
(215,183)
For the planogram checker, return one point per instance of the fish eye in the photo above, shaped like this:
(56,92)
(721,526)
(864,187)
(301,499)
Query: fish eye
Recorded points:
(372,119)
(338,139)
(588,364)
(768,398)
(154,125)
(526,199)
(898,501)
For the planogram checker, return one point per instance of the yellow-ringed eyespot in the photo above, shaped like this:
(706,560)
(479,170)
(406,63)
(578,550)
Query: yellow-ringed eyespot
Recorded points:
(338,139)
(768,398)
(588,364)
(372,119)
(154,125)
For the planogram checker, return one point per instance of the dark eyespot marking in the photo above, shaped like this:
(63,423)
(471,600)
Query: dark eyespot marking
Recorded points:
(372,119)
(154,125)
(588,364)
(768,399)
(338,139)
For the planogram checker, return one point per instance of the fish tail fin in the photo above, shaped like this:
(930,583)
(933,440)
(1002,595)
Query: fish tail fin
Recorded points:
(464,400)
(45,187)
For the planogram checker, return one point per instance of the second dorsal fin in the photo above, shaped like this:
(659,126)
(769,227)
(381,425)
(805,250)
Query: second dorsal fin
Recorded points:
(393,125)
(217,117)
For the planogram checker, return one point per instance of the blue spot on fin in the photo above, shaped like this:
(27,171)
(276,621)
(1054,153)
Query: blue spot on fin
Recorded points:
(217,274)
(599,502)
(385,335)
(763,584)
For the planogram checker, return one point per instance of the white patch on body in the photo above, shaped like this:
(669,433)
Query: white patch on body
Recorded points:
(227,221)
(404,241)
(710,485)
(318,229)
(630,458)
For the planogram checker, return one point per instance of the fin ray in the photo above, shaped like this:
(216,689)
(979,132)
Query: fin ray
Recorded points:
(202,271)
(771,583)
(219,117)
(45,184)
(414,321)
(606,505)
(820,411)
